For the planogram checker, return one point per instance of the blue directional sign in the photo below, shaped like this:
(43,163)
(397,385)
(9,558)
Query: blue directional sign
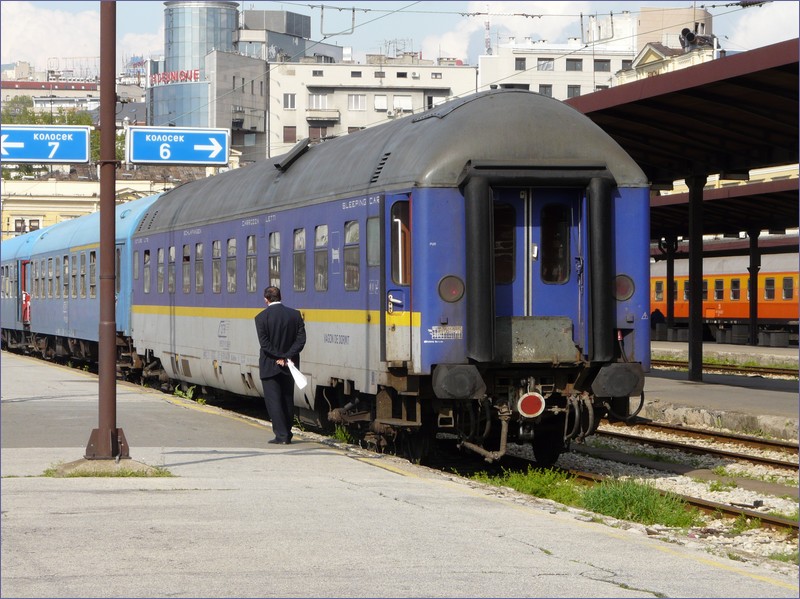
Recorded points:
(173,145)
(61,144)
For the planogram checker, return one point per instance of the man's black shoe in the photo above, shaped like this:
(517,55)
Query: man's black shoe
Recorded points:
(278,442)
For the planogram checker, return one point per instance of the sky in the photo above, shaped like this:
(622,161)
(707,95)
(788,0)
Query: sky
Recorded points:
(61,34)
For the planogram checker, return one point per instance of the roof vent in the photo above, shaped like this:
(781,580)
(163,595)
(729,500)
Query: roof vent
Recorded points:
(379,169)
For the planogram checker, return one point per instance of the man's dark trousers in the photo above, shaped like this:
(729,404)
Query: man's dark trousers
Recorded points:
(279,399)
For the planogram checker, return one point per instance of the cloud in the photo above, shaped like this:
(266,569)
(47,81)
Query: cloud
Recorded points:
(558,21)
(46,37)
(764,25)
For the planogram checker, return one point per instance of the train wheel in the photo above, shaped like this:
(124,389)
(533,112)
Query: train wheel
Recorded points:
(548,444)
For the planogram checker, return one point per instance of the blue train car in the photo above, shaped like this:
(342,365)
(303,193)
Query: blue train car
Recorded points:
(480,269)
(59,269)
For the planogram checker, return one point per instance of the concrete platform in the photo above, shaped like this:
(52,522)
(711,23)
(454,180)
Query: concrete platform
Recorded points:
(241,518)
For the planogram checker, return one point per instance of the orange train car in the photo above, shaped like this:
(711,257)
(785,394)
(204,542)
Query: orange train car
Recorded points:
(726,296)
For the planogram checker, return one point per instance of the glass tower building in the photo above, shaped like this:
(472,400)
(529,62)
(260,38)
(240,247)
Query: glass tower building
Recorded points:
(179,92)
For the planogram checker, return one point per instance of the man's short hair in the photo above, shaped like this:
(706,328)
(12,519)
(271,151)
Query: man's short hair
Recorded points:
(272,294)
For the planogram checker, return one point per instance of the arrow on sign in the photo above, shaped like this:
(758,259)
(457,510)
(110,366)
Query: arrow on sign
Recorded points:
(214,148)
(9,144)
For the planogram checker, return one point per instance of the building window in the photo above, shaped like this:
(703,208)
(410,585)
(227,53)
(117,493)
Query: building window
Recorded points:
(380,74)
(519,64)
(402,75)
(735,290)
(321,258)
(356,101)
(216,266)
(230,266)
(381,102)
(627,64)
(599,87)
(574,64)
(719,290)
(402,103)
(352,256)
(289,101)
(317,133)
(289,135)
(316,73)
(299,260)
(354,129)
(573,91)
(546,90)
(252,264)
(198,268)
(602,66)
(355,74)
(436,75)
(788,288)
(545,64)
(317,101)
(769,289)
(275,259)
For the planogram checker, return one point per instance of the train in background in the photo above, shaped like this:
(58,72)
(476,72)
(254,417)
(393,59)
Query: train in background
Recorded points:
(726,297)
(480,269)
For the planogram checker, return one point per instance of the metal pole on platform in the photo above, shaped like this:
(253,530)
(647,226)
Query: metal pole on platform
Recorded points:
(107,441)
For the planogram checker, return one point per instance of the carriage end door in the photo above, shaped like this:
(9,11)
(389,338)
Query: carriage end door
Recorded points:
(397,295)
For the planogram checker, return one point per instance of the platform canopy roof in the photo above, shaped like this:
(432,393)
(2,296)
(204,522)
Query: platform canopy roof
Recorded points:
(727,117)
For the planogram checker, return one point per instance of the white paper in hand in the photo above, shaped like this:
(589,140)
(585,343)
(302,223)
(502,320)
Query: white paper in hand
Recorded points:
(299,378)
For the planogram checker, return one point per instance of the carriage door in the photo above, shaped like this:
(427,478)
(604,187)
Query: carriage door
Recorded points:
(23,292)
(397,299)
(538,255)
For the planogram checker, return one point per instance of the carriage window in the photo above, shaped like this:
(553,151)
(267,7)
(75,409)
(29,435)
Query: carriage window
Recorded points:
(230,266)
(160,270)
(299,259)
(705,290)
(35,278)
(275,259)
(146,268)
(352,256)
(57,273)
(252,264)
(216,267)
(117,264)
(504,219)
(769,289)
(555,244)
(43,275)
(198,268)
(49,277)
(373,241)
(74,275)
(674,291)
(401,243)
(719,290)
(686,291)
(186,269)
(659,291)
(92,274)
(735,290)
(171,270)
(136,265)
(321,258)
(83,275)
(788,288)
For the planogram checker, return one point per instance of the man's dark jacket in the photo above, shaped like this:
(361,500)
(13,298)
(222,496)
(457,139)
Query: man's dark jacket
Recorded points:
(281,334)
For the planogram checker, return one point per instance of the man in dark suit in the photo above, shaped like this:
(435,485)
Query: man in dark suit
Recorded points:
(282,336)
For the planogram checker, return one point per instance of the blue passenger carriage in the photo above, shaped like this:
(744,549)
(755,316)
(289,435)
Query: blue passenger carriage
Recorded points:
(480,269)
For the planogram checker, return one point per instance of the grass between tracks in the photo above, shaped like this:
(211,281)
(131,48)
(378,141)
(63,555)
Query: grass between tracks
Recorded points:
(622,499)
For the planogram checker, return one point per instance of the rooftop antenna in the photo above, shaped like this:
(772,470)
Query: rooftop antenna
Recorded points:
(488,35)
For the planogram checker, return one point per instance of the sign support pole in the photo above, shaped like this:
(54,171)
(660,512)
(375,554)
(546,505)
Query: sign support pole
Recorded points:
(107,441)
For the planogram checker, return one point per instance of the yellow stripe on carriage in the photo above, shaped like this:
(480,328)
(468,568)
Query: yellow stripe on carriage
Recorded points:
(309,315)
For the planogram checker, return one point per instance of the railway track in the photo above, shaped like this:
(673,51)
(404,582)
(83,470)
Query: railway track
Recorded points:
(783,446)
(730,368)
